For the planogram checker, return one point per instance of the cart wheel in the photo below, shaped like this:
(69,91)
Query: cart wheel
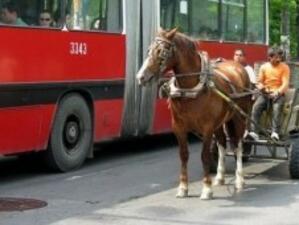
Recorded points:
(214,157)
(294,160)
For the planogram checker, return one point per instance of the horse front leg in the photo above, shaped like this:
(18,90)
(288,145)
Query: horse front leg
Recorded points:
(182,191)
(207,192)
(221,144)
(239,184)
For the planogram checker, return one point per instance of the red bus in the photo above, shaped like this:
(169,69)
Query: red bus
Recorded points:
(68,86)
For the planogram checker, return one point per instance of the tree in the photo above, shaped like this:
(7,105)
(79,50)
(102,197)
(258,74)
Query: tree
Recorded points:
(296,29)
(284,24)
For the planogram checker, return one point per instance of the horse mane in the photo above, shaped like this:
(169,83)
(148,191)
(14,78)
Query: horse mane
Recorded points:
(183,40)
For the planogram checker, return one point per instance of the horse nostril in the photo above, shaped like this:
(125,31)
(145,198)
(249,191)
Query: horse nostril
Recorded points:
(140,80)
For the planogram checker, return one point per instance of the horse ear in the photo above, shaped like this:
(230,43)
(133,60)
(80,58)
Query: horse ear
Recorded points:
(160,30)
(171,33)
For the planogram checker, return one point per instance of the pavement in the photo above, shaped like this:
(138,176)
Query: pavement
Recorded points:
(268,198)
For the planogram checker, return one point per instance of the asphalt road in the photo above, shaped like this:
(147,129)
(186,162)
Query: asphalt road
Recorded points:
(134,182)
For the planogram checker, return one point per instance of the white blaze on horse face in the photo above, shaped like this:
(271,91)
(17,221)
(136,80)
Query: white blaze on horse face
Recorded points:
(144,74)
(239,169)
(219,179)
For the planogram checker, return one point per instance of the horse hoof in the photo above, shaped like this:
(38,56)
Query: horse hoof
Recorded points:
(206,196)
(239,187)
(182,193)
(219,182)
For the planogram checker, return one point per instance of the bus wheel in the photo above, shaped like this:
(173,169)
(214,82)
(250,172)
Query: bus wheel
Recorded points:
(71,137)
(294,160)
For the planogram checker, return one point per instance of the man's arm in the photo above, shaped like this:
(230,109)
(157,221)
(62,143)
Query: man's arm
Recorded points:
(261,78)
(285,81)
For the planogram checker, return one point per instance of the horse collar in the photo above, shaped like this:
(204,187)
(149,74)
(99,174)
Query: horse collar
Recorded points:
(173,91)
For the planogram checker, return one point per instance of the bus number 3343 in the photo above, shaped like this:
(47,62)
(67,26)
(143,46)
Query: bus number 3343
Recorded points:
(78,48)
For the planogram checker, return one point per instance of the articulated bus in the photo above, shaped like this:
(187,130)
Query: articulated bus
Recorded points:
(68,86)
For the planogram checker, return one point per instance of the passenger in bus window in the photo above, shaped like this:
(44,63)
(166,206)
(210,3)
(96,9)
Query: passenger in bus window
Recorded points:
(10,14)
(273,83)
(204,32)
(240,57)
(96,24)
(45,19)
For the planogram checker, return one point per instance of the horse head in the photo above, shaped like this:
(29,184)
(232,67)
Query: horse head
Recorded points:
(160,57)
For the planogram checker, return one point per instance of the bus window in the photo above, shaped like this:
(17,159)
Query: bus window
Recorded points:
(95,15)
(29,11)
(205,19)
(198,18)
(233,20)
(256,21)
(174,13)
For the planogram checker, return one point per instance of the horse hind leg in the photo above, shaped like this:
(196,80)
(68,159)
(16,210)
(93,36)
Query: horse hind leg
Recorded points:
(207,192)
(240,183)
(236,131)
(182,191)
(221,144)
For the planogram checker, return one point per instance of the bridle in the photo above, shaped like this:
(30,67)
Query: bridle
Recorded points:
(167,50)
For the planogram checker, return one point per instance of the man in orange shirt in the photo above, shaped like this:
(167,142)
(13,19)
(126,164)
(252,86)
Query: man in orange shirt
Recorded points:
(273,82)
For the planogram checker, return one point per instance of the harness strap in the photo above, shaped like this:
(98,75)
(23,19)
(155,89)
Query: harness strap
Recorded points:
(176,92)
(244,94)
(173,91)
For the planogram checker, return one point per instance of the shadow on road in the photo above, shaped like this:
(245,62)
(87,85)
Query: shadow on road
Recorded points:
(12,167)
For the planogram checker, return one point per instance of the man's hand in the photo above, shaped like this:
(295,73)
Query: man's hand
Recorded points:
(260,86)
(274,95)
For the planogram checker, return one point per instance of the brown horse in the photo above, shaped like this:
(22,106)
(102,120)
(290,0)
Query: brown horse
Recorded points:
(207,113)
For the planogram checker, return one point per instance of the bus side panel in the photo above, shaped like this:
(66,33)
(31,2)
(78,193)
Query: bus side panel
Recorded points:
(108,115)
(25,128)
(38,55)
(20,129)
(37,66)
(162,118)
(48,116)
(254,52)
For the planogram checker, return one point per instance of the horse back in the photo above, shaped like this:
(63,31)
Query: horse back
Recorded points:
(231,72)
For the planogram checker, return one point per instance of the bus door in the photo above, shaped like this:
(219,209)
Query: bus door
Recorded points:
(142,22)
